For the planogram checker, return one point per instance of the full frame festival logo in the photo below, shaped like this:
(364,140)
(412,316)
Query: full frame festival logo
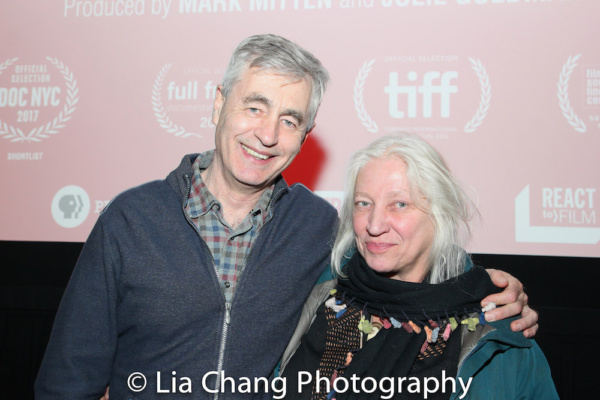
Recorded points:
(182,99)
(557,214)
(37,99)
(588,93)
(424,94)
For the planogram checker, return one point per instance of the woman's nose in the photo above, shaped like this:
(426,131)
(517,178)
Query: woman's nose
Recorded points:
(378,223)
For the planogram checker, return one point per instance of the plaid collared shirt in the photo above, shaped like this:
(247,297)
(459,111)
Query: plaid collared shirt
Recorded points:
(229,247)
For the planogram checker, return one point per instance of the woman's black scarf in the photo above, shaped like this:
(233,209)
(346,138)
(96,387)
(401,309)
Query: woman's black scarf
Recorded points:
(392,352)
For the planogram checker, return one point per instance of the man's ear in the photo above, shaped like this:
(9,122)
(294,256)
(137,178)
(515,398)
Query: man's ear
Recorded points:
(307,132)
(218,105)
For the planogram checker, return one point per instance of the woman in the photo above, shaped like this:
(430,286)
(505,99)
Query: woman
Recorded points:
(404,319)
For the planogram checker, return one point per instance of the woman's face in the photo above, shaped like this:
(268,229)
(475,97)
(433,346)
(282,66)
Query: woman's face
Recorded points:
(392,234)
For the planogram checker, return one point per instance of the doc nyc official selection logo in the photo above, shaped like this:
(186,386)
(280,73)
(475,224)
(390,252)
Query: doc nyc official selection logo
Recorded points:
(557,215)
(37,99)
(70,206)
(421,94)
(182,99)
(587,94)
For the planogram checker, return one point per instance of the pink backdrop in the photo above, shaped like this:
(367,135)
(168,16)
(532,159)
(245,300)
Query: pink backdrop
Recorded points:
(100,95)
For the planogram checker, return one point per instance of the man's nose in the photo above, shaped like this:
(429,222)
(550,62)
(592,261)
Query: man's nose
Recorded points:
(268,132)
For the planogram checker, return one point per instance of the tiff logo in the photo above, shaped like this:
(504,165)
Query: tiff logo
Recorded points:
(427,90)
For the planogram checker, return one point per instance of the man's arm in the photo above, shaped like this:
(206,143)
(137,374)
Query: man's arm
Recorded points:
(514,301)
(78,359)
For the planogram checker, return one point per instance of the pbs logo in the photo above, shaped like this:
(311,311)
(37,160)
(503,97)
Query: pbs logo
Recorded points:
(70,206)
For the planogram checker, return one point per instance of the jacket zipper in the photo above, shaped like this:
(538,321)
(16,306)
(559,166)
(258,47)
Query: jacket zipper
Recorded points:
(227,319)
(222,346)
(228,304)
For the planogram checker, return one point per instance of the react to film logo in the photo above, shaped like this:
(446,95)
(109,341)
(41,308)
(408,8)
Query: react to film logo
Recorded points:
(188,95)
(435,85)
(591,95)
(31,96)
(70,206)
(569,214)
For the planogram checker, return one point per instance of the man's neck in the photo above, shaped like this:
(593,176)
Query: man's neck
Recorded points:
(237,200)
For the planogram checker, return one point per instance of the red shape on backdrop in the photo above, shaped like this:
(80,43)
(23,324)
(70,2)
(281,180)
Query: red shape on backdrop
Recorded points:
(308,164)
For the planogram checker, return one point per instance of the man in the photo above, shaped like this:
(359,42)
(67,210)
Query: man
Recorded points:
(202,276)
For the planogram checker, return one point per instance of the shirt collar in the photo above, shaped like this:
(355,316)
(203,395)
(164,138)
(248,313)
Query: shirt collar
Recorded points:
(201,200)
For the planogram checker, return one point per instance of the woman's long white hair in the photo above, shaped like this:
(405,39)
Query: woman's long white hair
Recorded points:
(434,190)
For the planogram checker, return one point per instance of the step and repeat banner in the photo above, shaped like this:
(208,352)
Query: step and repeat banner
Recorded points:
(97,96)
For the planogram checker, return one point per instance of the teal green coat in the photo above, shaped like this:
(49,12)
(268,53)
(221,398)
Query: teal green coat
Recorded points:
(504,365)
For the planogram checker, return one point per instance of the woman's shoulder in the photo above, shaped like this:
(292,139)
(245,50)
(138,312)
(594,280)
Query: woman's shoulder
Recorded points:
(505,363)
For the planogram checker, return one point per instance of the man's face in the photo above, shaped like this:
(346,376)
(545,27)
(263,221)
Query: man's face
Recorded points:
(260,127)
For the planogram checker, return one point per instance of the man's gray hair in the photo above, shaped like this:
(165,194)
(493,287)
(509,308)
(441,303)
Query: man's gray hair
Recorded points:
(279,55)
(433,189)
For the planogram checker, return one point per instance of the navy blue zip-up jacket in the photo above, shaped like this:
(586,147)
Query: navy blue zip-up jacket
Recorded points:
(144,298)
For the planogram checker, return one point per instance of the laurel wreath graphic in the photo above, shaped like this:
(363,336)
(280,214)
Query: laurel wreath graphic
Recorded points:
(486,95)
(8,131)
(563,97)
(359,104)
(7,64)
(159,112)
